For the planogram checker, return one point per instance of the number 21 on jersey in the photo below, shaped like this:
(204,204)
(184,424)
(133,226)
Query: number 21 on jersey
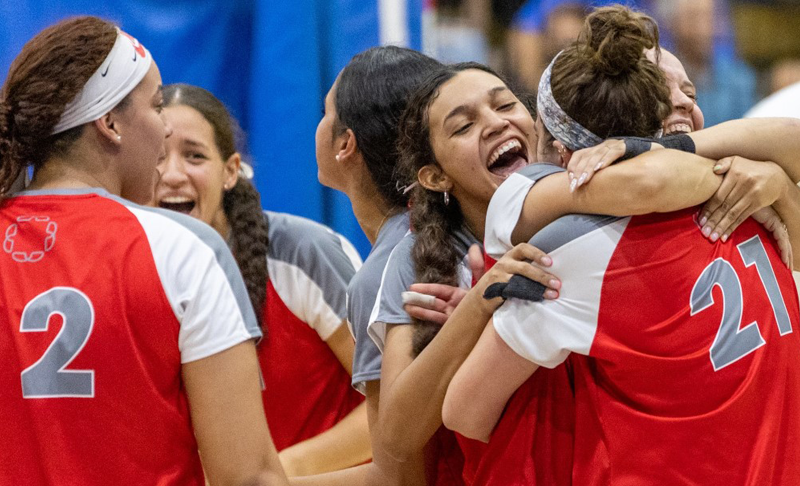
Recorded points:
(732,341)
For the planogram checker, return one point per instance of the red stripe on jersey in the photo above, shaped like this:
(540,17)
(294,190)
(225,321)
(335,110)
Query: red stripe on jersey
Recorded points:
(307,390)
(651,409)
(136,428)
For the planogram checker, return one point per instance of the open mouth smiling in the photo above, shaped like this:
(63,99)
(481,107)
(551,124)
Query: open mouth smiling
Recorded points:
(508,158)
(180,204)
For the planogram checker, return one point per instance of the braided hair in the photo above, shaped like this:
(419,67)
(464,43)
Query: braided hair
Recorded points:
(249,237)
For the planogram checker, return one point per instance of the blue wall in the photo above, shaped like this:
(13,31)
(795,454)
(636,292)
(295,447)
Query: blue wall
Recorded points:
(270,61)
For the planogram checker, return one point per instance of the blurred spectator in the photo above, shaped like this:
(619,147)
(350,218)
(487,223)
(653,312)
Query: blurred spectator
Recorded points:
(702,40)
(460,31)
(541,28)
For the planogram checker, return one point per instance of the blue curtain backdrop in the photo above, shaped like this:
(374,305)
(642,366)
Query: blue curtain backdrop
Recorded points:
(270,61)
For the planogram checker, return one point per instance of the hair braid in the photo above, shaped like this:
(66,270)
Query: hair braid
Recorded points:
(249,241)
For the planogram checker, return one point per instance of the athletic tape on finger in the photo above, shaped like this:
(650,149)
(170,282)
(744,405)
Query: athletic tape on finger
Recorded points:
(415,298)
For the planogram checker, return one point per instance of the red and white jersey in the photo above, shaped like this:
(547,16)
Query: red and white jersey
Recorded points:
(533,441)
(306,389)
(101,302)
(685,353)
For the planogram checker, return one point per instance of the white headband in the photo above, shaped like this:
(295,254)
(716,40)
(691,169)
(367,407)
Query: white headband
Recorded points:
(122,70)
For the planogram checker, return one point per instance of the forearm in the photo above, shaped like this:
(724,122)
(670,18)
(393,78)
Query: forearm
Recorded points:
(788,208)
(658,181)
(478,393)
(345,444)
(775,139)
(411,408)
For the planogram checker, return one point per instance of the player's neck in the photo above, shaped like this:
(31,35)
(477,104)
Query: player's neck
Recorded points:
(76,170)
(371,210)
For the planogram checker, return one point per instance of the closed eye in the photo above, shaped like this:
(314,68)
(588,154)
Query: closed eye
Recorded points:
(463,129)
(507,106)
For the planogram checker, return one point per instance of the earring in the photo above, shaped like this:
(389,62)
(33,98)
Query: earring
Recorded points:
(337,157)
(119,138)
(446,198)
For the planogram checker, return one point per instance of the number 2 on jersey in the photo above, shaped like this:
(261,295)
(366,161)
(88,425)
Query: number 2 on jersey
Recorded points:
(47,378)
(733,342)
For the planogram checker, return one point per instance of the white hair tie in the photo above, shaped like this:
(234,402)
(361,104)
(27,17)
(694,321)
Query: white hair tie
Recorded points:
(121,71)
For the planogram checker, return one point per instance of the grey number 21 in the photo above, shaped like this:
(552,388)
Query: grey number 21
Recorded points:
(47,378)
(732,343)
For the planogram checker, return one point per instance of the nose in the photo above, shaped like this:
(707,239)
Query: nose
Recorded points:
(495,123)
(681,101)
(171,170)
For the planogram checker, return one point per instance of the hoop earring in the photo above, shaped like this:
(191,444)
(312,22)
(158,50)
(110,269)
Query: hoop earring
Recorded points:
(446,198)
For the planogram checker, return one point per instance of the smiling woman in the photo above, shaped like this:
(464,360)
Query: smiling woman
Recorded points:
(296,272)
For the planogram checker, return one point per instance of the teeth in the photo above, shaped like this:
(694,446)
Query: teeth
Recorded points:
(679,127)
(176,200)
(503,149)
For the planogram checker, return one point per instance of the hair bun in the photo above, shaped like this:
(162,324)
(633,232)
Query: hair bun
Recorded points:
(614,39)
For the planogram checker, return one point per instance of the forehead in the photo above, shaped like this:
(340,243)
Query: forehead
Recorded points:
(468,87)
(186,122)
(672,67)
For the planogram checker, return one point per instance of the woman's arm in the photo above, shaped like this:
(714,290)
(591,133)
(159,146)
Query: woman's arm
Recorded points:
(788,208)
(483,385)
(224,395)
(775,139)
(345,444)
(413,391)
(657,181)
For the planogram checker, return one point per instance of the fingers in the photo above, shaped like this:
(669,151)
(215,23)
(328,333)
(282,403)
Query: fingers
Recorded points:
(516,262)
(586,162)
(730,220)
(524,251)
(441,291)
(416,298)
(717,206)
(424,314)
(476,262)
(723,165)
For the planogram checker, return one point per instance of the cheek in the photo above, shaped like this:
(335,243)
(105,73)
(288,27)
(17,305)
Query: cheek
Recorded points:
(697,118)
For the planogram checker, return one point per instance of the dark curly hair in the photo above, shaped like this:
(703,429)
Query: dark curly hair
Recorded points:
(48,73)
(249,237)
(435,254)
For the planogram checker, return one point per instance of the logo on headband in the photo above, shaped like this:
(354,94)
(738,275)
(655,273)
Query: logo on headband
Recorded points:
(138,48)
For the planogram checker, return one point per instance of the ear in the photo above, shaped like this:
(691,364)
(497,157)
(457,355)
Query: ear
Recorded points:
(346,147)
(232,166)
(564,154)
(432,177)
(108,128)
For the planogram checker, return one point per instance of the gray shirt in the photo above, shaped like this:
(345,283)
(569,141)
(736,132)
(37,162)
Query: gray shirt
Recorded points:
(400,274)
(361,295)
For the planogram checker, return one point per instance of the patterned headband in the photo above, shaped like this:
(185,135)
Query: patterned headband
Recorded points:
(563,128)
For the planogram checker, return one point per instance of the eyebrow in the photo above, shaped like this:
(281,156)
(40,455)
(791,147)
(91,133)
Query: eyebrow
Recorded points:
(461,109)
(194,143)
(688,84)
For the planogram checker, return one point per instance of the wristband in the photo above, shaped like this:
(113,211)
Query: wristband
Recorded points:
(517,287)
(634,146)
(681,141)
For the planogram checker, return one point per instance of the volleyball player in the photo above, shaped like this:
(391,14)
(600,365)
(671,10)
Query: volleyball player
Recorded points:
(297,273)
(127,336)
(665,360)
